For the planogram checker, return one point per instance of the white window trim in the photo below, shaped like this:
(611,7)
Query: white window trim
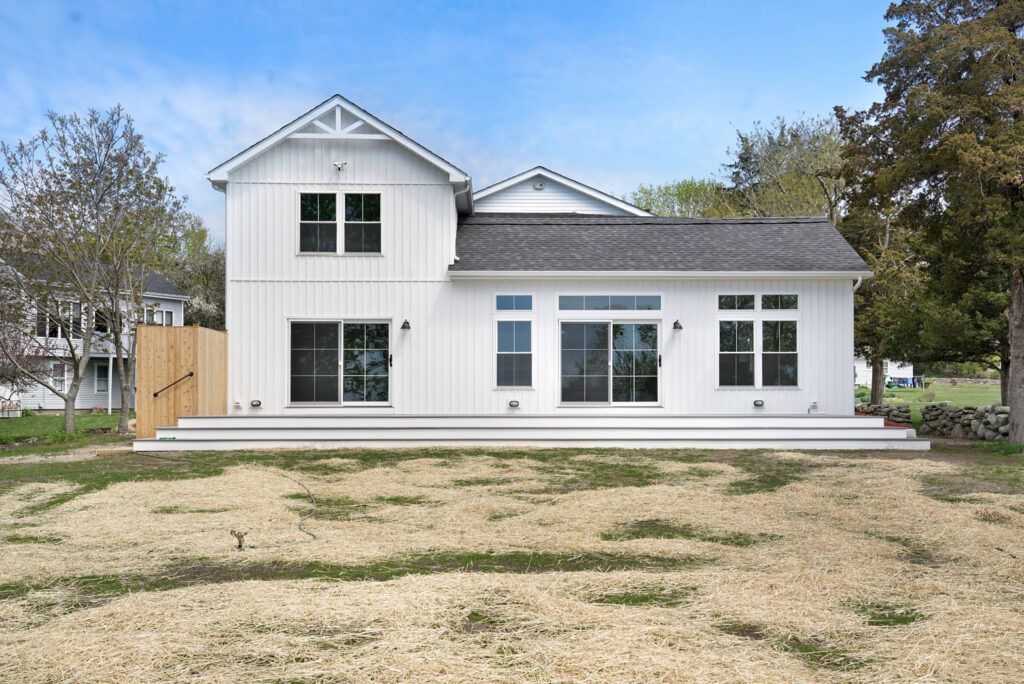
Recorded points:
(608,321)
(339,204)
(341,403)
(501,317)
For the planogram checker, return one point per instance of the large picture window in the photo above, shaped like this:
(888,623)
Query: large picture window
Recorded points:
(515,354)
(735,353)
(778,354)
(318,222)
(366,362)
(362,222)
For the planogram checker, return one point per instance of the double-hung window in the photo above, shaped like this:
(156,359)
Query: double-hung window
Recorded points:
(57,375)
(736,353)
(778,354)
(515,354)
(318,222)
(102,377)
(362,222)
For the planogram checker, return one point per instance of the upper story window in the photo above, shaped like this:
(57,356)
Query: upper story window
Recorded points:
(51,325)
(779,301)
(609,302)
(362,222)
(514,303)
(318,222)
(731,302)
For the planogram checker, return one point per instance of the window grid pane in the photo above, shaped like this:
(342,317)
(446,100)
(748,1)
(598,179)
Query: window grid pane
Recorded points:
(314,362)
(735,359)
(635,362)
(318,230)
(585,371)
(779,360)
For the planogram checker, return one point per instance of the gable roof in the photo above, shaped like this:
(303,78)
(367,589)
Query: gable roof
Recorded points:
(533,244)
(378,130)
(158,285)
(542,172)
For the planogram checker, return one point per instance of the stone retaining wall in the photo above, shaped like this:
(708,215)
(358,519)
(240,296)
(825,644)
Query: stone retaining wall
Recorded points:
(897,413)
(988,423)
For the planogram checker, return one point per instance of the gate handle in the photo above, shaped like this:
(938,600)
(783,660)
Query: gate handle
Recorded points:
(391,360)
(188,375)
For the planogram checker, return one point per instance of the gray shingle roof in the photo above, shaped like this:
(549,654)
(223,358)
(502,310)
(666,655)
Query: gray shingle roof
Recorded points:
(573,242)
(157,284)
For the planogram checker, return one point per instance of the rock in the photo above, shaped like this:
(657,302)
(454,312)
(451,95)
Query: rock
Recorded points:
(131,425)
(1005,410)
(1004,430)
(957,432)
(975,426)
(926,429)
(991,435)
(98,409)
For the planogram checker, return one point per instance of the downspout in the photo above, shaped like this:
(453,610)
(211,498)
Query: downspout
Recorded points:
(860,281)
(469,184)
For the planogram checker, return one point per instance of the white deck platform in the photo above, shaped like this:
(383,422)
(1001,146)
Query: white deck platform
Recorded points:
(208,433)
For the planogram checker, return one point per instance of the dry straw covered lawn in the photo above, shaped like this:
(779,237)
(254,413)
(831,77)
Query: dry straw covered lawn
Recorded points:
(503,566)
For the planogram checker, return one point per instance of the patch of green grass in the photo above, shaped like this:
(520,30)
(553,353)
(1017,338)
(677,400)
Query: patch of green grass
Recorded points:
(331,508)
(768,473)
(960,395)
(17,429)
(502,515)
(406,501)
(656,596)
(173,510)
(995,471)
(814,651)
(31,539)
(913,551)
(664,529)
(884,615)
(478,621)
(481,482)
(586,473)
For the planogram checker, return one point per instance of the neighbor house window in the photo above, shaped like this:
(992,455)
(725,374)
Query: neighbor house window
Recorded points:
(514,303)
(57,376)
(168,318)
(318,222)
(731,302)
(779,301)
(102,377)
(609,302)
(46,325)
(515,354)
(76,321)
(778,354)
(100,324)
(362,222)
(735,353)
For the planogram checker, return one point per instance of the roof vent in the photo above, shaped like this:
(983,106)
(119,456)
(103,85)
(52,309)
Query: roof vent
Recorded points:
(539,185)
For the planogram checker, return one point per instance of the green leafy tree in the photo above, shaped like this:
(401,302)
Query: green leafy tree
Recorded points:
(197,267)
(696,197)
(948,138)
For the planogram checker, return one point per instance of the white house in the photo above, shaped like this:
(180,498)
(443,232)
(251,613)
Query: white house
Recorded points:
(100,386)
(374,298)
(892,370)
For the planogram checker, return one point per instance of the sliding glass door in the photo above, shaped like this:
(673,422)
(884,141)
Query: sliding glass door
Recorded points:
(340,363)
(606,362)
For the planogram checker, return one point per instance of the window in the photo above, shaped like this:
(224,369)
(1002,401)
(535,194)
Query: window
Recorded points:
(102,377)
(100,323)
(731,302)
(735,353)
(318,222)
(314,367)
(635,362)
(47,325)
(57,376)
(514,303)
(779,301)
(362,223)
(609,302)
(366,362)
(76,321)
(150,317)
(515,357)
(778,357)
(168,318)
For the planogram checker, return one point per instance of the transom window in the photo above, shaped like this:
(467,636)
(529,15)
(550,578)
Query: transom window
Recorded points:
(779,301)
(362,222)
(609,302)
(731,302)
(514,303)
(778,354)
(318,222)
(735,353)
(515,354)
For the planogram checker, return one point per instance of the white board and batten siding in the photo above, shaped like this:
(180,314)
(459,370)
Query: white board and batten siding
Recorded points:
(553,197)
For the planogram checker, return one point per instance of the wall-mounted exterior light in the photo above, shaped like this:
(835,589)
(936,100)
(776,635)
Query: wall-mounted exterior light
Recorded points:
(677,325)
(255,403)
(513,404)
(758,403)
(405,325)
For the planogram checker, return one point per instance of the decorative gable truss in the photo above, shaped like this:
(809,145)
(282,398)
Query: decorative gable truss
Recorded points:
(339,125)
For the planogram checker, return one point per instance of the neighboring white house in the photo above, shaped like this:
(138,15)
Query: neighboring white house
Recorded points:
(893,370)
(373,297)
(100,385)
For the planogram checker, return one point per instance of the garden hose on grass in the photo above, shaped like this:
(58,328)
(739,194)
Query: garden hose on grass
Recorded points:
(241,546)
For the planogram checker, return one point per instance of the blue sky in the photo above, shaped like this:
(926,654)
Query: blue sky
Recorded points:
(613,94)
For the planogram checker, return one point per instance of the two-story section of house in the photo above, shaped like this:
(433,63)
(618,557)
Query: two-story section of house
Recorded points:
(101,386)
(373,297)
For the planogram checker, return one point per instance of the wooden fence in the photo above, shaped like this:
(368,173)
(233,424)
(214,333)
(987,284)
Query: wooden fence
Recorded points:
(166,357)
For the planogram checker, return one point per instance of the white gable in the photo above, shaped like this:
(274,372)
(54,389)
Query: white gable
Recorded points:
(540,190)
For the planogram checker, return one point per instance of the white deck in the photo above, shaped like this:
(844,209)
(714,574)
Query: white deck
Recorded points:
(203,433)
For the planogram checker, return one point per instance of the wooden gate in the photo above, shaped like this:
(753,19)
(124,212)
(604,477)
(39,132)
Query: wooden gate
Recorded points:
(186,368)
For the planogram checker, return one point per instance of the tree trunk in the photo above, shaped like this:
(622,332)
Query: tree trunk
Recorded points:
(70,398)
(125,376)
(877,378)
(1004,378)
(1015,392)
